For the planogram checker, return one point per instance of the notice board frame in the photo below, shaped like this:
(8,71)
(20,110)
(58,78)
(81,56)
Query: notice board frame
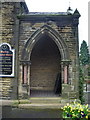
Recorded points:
(13,60)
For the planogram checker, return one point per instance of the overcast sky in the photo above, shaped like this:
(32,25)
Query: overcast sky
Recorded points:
(61,6)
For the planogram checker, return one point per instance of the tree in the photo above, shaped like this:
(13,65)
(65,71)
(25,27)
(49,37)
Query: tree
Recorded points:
(84,54)
(84,61)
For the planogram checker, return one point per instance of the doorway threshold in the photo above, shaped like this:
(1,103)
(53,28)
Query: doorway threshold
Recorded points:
(40,93)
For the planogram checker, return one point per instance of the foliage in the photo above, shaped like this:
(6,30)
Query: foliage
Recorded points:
(88,71)
(84,62)
(76,110)
(81,82)
(84,54)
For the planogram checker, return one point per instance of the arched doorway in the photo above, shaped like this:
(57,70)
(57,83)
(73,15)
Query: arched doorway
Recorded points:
(44,63)
(45,79)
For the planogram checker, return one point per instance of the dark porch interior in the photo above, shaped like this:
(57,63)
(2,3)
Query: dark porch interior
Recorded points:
(45,66)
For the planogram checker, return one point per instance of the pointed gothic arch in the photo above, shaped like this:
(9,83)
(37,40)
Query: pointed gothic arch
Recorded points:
(61,46)
(37,35)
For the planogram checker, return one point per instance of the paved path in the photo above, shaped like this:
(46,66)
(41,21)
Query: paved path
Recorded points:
(9,112)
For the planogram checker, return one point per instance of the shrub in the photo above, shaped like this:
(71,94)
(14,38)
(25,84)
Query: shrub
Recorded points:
(81,82)
(75,110)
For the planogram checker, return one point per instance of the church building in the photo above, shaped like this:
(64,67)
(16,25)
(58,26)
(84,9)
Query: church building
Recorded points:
(39,53)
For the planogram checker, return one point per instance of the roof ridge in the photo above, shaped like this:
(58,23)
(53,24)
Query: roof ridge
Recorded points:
(47,13)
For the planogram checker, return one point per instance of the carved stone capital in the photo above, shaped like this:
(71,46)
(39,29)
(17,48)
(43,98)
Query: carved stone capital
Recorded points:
(25,62)
(66,62)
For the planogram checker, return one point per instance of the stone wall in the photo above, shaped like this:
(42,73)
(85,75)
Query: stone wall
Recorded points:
(9,34)
(17,27)
(67,28)
(45,64)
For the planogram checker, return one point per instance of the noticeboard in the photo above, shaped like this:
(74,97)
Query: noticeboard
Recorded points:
(6,60)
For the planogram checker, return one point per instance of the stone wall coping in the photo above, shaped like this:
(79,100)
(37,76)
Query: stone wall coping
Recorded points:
(7,102)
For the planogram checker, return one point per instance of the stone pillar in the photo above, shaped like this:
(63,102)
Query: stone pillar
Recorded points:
(65,74)
(28,80)
(20,82)
(21,76)
(25,74)
(62,73)
(24,80)
(65,71)
(70,74)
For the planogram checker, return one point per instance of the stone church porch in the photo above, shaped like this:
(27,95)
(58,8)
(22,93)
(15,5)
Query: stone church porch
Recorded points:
(45,45)
(45,65)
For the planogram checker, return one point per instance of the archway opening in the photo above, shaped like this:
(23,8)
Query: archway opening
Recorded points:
(45,79)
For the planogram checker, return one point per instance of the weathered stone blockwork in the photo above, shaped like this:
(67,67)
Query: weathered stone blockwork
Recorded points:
(45,64)
(8,34)
(51,38)
(67,27)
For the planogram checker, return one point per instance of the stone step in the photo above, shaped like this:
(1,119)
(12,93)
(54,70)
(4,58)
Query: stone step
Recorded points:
(41,106)
(45,100)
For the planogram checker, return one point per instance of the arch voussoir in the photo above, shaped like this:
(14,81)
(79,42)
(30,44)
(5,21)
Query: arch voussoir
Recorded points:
(37,35)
